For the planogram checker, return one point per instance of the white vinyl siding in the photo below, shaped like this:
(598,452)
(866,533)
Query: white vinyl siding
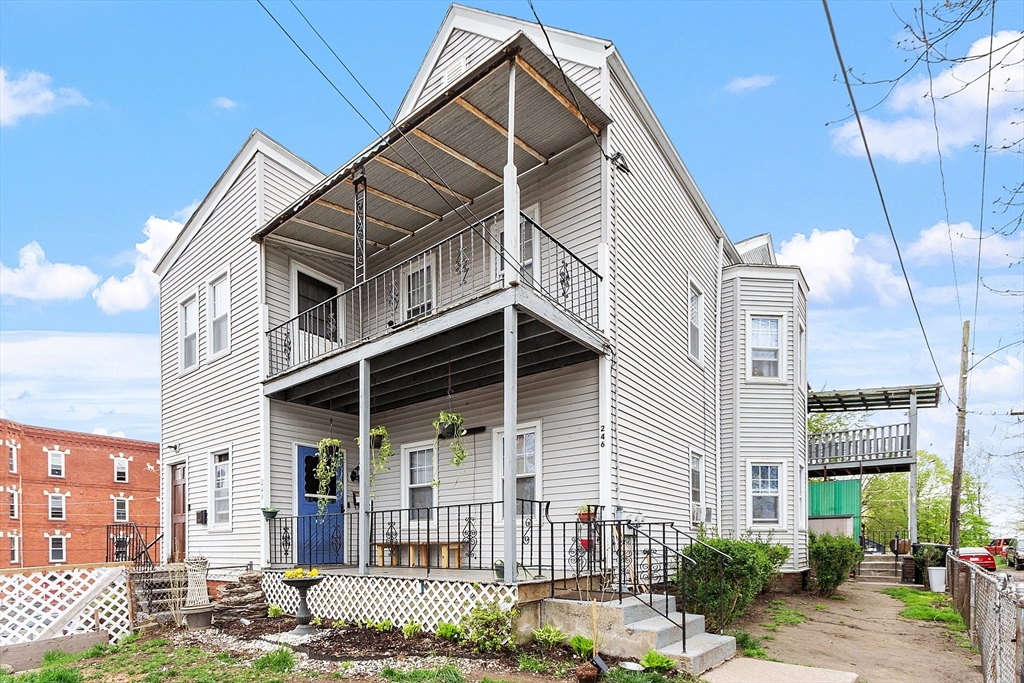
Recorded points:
(58,549)
(460,53)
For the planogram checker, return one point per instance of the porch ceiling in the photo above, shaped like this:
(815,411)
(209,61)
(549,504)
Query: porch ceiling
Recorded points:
(462,358)
(457,140)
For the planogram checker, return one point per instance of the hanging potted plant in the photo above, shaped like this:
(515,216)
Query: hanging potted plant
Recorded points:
(586,512)
(329,457)
(451,427)
(380,455)
(269,513)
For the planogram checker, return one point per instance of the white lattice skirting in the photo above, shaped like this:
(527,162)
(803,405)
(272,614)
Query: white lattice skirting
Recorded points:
(58,601)
(377,598)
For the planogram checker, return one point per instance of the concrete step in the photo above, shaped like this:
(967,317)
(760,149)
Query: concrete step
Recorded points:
(702,652)
(879,572)
(659,631)
(878,579)
(879,559)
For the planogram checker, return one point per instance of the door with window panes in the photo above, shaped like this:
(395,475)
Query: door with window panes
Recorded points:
(319,324)
(527,470)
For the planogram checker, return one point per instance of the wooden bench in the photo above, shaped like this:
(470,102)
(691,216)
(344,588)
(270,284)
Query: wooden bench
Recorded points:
(419,553)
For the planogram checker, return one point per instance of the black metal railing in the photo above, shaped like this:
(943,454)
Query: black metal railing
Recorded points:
(130,542)
(466,536)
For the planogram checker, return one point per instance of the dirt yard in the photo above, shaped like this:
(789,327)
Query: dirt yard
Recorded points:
(863,634)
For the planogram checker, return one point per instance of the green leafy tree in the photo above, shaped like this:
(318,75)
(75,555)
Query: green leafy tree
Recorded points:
(823,423)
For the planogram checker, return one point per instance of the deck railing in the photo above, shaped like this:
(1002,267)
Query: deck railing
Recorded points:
(131,542)
(452,271)
(867,444)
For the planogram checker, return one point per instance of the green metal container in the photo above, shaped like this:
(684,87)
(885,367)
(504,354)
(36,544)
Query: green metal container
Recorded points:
(835,498)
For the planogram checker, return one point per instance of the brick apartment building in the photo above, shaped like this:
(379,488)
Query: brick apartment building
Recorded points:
(60,490)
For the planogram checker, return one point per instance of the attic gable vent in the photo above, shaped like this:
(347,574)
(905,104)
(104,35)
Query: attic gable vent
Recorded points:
(454,70)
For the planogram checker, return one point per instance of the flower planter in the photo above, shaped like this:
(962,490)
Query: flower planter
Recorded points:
(376,440)
(499,570)
(269,513)
(586,673)
(302,614)
(198,617)
(586,517)
(446,432)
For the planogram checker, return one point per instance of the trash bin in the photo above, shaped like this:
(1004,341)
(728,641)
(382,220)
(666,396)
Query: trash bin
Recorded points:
(937,579)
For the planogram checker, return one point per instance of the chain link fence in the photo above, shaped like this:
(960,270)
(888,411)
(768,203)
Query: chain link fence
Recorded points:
(992,607)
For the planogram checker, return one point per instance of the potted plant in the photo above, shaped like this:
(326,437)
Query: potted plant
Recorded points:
(499,570)
(450,427)
(269,513)
(302,582)
(586,512)
(380,456)
(329,457)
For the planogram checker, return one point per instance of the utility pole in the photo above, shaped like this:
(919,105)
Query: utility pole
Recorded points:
(958,446)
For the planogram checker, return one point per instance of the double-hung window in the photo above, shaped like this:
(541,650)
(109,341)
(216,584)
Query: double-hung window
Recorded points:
(57,510)
(58,549)
(14,549)
(420,478)
(56,462)
(120,509)
(188,329)
(12,459)
(221,488)
(419,287)
(219,297)
(697,487)
(765,494)
(14,505)
(696,315)
(121,470)
(764,346)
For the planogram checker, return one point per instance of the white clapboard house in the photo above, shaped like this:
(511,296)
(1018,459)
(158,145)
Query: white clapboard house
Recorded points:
(652,369)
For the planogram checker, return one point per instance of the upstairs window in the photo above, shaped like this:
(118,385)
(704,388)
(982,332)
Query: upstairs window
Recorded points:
(221,488)
(121,470)
(12,459)
(696,315)
(220,306)
(56,460)
(318,307)
(58,551)
(764,346)
(188,325)
(57,510)
(419,290)
(120,509)
(14,505)
(14,549)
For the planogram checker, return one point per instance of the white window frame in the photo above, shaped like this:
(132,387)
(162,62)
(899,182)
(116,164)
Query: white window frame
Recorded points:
(692,287)
(702,491)
(783,336)
(294,268)
(191,298)
(50,452)
(63,507)
(117,500)
(497,465)
(406,479)
(13,551)
(63,549)
(224,275)
(428,261)
(498,238)
(212,525)
(781,524)
(118,461)
(12,505)
(12,459)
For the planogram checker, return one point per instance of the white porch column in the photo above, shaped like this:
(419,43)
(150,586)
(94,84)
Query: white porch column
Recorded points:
(912,485)
(364,466)
(513,251)
(511,387)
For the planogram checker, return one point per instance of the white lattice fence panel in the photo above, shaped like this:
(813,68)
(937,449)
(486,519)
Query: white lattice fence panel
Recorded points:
(377,598)
(32,601)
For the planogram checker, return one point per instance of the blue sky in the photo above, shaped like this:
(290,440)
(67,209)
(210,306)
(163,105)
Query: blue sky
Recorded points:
(115,118)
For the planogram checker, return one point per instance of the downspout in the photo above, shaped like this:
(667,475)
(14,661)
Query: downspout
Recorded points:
(737,369)
(718,392)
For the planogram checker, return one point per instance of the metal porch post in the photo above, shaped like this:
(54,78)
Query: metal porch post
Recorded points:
(511,344)
(359,227)
(912,479)
(364,466)
(511,190)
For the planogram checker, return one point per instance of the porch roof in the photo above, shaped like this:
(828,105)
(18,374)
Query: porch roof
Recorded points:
(881,398)
(448,152)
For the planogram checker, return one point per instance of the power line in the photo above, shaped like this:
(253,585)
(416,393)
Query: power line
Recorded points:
(881,196)
(514,262)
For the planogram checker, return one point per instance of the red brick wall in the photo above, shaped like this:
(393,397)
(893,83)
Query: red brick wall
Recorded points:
(88,476)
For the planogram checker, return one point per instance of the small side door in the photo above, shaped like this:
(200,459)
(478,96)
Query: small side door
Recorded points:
(178,511)
(320,537)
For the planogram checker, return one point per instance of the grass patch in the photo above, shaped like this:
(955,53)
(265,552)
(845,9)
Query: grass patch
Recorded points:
(820,607)
(618,675)
(769,626)
(784,616)
(449,673)
(528,662)
(750,645)
(925,606)
(836,596)
(279,661)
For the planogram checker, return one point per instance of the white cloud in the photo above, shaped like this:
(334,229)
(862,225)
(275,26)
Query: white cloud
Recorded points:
(137,290)
(834,267)
(36,279)
(960,101)
(224,103)
(31,94)
(933,244)
(77,380)
(742,84)
(102,431)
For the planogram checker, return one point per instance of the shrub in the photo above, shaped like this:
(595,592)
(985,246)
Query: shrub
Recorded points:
(411,630)
(583,647)
(489,627)
(279,661)
(832,560)
(549,636)
(448,631)
(274,611)
(755,562)
(655,661)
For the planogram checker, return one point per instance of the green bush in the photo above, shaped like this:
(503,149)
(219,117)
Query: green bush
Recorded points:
(832,560)
(755,562)
(279,661)
(449,631)
(274,611)
(549,636)
(411,630)
(489,627)
(655,661)
(583,647)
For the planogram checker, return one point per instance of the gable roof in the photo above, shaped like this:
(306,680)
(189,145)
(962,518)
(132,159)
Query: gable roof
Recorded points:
(758,250)
(575,47)
(257,142)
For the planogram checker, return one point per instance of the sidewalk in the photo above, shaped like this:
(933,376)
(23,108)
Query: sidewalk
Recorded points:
(748,670)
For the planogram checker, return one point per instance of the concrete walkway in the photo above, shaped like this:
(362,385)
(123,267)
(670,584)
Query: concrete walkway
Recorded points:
(748,670)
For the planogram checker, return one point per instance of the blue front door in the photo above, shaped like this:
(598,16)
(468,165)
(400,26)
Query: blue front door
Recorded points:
(320,538)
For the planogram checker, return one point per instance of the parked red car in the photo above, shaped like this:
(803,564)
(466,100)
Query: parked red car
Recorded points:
(979,556)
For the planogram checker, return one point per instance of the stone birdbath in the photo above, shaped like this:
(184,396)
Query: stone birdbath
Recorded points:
(302,615)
